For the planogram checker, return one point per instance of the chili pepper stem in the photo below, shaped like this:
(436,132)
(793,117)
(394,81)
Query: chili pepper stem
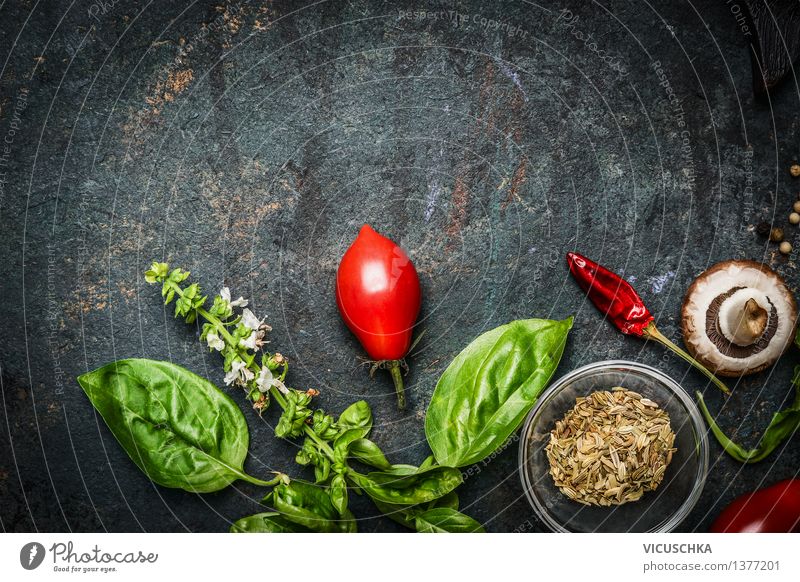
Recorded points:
(397,377)
(651,332)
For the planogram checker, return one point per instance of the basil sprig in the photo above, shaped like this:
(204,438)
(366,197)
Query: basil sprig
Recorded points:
(331,445)
(183,432)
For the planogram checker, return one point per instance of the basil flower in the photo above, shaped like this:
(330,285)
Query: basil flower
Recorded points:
(225,293)
(239,374)
(266,380)
(250,321)
(214,341)
(251,342)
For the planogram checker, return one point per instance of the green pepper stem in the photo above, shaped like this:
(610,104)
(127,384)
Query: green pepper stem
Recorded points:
(651,332)
(397,378)
(730,447)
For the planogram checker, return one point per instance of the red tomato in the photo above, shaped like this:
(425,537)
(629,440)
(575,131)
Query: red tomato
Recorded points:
(775,509)
(378,294)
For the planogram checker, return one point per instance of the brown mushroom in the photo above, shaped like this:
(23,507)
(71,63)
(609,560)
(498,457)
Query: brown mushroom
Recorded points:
(738,317)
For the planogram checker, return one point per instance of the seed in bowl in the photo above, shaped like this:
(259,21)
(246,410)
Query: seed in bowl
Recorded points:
(610,448)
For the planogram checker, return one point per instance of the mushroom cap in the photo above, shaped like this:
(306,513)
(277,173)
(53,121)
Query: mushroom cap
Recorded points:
(705,300)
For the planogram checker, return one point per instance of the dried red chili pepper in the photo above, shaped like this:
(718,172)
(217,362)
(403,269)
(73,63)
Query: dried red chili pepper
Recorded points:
(620,302)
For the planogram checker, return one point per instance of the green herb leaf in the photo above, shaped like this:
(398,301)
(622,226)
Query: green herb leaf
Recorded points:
(369,453)
(406,485)
(782,426)
(310,506)
(157,272)
(429,461)
(269,522)
(339,496)
(180,429)
(356,416)
(406,514)
(446,520)
(343,442)
(322,469)
(485,393)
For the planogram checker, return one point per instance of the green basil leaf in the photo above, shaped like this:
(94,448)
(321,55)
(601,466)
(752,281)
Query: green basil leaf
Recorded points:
(369,453)
(485,393)
(179,428)
(405,514)
(783,425)
(402,514)
(450,501)
(400,487)
(310,506)
(429,461)
(345,440)
(356,416)
(270,522)
(446,520)
(338,494)
(322,470)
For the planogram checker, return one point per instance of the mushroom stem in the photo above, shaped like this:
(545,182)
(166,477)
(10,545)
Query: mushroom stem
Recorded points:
(745,323)
(651,332)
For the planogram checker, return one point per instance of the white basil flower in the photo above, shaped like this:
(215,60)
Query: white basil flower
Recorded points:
(250,321)
(214,341)
(251,343)
(266,379)
(225,293)
(239,374)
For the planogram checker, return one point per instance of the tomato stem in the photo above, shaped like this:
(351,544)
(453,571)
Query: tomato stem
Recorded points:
(397,378)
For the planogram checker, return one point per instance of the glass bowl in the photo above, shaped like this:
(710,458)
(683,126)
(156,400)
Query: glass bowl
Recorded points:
(660,510)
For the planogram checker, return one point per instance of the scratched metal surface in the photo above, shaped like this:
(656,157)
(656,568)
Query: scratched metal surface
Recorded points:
(248,142)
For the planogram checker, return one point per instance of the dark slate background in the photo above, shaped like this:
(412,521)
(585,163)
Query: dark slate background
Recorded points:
(248,142)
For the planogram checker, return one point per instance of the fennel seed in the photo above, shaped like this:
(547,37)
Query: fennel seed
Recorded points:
(610,448)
